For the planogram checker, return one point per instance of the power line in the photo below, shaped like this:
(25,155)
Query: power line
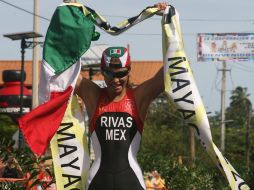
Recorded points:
(231,78)
(150,34)
(243,69)
(245,66)
(140,34)
(212,89)
(44,18)
(219,20)
(193,19)
(29,12)
(217,83)
(120,16)
(130,34)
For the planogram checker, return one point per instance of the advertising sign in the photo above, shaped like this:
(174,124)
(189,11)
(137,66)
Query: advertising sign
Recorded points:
(235,47)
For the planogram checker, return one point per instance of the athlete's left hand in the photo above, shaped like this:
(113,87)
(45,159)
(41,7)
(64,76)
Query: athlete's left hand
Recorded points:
(161,6)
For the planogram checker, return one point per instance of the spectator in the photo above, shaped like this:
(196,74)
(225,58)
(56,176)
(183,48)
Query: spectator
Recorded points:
(149,185)
(158,182)
(43,176)
(11,170)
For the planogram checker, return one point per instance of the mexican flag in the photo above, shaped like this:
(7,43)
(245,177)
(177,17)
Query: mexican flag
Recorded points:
(68,37)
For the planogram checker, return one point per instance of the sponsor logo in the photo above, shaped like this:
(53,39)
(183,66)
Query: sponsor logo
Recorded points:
(14,110)
(4,104)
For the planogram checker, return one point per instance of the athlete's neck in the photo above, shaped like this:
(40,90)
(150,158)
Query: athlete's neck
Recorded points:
(116,97)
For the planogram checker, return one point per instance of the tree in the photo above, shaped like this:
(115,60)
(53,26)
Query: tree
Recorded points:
(27,164)
(240,111)
(164,129)
(7,126)
(165,137)
(239,106)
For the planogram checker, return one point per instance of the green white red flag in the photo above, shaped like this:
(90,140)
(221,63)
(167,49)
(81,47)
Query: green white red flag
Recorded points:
(69,35)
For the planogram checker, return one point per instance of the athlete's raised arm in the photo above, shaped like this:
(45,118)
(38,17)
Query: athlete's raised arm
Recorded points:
(151,88)
(89,92)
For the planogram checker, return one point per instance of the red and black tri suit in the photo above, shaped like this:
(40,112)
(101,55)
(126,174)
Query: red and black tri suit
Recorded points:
(116,130)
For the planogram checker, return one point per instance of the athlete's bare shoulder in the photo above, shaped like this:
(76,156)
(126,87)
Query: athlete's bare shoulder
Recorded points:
(85,86)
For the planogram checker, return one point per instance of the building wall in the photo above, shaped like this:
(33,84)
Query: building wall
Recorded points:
(140,70)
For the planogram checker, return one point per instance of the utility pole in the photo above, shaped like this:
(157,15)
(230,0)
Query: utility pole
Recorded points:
(192,147)
(70,1)
(248,143)
(35,75)
(223,89)
(24,45)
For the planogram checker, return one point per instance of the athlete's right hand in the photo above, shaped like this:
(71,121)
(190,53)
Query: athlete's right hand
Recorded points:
(80,77)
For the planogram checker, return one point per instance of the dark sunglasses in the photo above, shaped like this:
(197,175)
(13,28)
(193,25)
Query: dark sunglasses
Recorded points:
(110,74)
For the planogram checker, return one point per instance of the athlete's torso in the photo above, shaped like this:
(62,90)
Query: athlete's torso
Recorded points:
(116,133)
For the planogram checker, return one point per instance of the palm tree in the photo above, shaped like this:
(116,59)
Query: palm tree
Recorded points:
(240,107)
(240,96)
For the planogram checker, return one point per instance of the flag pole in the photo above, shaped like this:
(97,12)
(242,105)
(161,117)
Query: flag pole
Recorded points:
(35,67)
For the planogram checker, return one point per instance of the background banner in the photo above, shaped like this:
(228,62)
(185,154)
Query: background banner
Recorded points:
(215,47)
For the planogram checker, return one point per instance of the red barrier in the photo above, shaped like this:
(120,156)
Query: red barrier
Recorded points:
(12,179)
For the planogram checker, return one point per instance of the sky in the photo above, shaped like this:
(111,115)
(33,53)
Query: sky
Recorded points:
(196,16)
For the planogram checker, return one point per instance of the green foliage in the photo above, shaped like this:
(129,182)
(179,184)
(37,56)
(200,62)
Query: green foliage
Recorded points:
(163,122)
(11,185)
(181,177)
(7,126)
(248,175)
(156,139)
(240,107)
(165,137)
(26,163)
